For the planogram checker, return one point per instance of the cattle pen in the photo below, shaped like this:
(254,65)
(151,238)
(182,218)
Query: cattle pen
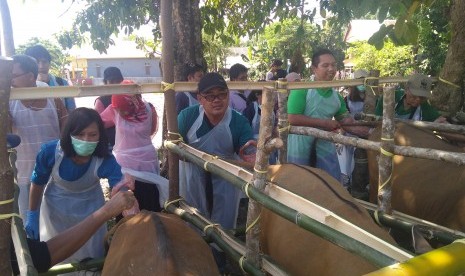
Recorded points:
(297,210)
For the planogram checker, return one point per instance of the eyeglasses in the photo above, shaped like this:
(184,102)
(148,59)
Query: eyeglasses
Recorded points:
(212,97)
(17,76)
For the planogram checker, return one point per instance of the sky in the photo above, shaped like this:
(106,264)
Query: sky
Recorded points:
(40,18)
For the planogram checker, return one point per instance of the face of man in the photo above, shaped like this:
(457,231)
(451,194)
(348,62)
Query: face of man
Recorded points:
(215,102)
(44,65)
(21,79)
(326,69)
(412,100)
(195,77)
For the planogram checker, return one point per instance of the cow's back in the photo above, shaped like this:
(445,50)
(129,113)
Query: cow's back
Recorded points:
(158,244)
(301,252)
(428,189)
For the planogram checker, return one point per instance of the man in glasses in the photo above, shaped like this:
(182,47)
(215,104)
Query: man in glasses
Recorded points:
(34,120)
(412,103)
(215,128)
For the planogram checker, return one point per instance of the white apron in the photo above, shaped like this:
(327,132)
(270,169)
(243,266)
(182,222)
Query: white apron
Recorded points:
(66,203)
(136,154)
(192,179)
(35,127)
(192,100)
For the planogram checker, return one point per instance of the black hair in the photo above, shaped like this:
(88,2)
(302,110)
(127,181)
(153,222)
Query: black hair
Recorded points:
(112,75)
(316,56)
(280,74)
(277,62)
(79,119)
(27,63)
(191,68)
(236,70)
(38,52)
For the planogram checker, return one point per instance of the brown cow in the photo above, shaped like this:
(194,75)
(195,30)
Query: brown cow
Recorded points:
(300,252)
(158,244)
(427,189)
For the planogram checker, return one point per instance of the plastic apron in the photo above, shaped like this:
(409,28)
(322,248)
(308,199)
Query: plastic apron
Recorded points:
(299,147)
(35,127)
(136,154)
(192,179)
(345,153)
(66,203)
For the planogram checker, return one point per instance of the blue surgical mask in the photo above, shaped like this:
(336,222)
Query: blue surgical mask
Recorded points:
(83,148)
(361,88)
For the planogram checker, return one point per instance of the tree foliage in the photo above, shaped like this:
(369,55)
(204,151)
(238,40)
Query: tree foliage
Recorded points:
(59,57)
(434,37)
(293,41)
(391,60)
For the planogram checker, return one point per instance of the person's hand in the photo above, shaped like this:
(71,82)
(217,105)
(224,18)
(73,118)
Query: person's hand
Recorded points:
(248,151)
(119,202)
(331,125)
(127,183)
(32,224)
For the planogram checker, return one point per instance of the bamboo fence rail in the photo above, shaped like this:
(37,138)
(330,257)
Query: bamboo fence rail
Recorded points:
(302,220)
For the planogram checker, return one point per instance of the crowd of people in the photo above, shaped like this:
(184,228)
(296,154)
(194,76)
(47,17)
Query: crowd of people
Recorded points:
(65,151)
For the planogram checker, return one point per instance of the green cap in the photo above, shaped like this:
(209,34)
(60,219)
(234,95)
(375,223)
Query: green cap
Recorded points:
(419,85)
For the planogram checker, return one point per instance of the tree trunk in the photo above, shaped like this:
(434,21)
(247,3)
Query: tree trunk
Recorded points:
(187,35)
(448,97)
(6,173)
(7,36)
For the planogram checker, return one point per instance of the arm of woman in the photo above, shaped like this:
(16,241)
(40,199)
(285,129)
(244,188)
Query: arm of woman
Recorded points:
(108,116)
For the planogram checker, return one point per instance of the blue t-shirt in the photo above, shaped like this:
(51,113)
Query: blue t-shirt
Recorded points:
(69,170)
(240,128)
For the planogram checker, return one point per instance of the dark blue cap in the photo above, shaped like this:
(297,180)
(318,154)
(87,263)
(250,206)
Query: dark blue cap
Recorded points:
(211,80)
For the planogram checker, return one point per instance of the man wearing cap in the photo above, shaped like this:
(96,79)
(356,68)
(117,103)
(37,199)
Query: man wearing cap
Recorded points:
(212,127)
(412,103)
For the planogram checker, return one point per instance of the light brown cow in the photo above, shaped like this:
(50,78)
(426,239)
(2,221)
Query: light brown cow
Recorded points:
(427,189)
(158,244)
(300,252)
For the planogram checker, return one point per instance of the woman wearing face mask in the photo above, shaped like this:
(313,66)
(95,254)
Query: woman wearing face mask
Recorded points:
(136,121)
(67,173)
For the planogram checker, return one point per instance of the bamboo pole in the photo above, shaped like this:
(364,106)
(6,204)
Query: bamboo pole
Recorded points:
(170,106)
(372,92)
(156,87)
(375,257)
(77,266)
(447,260)
(451,157)
(387,152)
(213,234)
(6,172)
(259,180)
(420,124)
(283,122)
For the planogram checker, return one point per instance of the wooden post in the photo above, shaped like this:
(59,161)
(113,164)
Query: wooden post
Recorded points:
(259,180)
(372,92)
(387,152)
(170,105)
(283,123)
(6,172)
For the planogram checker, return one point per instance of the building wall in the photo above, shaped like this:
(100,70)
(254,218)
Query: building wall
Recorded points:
(130,67)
